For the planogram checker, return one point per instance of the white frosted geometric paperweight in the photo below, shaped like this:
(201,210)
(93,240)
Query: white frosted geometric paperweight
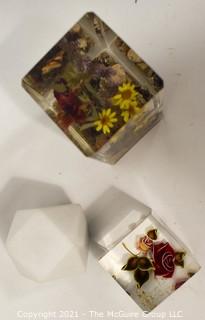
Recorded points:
(49,243)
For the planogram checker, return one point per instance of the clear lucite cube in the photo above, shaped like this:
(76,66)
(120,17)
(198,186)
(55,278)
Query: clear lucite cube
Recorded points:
(140,252)
(97,90)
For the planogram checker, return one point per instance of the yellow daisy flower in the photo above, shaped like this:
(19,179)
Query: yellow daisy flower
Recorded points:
(131,111)
(107,118)
(126,94)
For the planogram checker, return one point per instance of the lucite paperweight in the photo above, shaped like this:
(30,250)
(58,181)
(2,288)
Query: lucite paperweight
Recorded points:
(97,90)
(146,259)
(51,243)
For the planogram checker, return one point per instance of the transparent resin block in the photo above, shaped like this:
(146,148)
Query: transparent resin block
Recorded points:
(146,259)
(97,90)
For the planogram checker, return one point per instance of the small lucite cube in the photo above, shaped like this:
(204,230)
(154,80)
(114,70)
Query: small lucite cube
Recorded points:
(97,90)
(146,259)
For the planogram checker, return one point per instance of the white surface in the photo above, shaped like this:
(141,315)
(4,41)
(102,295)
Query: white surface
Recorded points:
(165,170)
(49,243)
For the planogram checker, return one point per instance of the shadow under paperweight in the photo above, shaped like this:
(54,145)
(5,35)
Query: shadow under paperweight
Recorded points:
(97,90)
(140,252)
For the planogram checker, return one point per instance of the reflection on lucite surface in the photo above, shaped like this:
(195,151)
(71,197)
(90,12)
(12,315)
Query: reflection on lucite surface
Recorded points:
(97,90)
(149,263)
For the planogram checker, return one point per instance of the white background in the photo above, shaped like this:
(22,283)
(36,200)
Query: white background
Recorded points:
(165,170)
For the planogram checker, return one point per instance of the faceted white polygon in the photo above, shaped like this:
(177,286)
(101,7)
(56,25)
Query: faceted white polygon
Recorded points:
(49,243)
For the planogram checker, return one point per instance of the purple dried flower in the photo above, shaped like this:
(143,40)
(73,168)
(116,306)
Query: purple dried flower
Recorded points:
(101,71)
(84,63)
(107,89)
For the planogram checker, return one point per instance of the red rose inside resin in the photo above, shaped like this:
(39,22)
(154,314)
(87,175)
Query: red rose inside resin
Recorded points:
(163,256)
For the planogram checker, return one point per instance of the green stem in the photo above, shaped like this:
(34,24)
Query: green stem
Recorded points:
(87,126)
(126,248)
(91,90)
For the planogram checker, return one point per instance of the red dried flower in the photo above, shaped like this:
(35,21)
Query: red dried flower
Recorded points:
(71,107)
(179,283)
(163,259)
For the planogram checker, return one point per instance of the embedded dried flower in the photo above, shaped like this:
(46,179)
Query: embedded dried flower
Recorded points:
(179,259)
(76,28)
(144,264)
(133,56)
(141,265)
(131,264)
(82,43)
(141,277)
(119,75)
(179,283)
(53,63)
(106,121)
(71,107)
(125,96)
(72,36)
(130,111)
(101,71)
(163,259)
(145,243)
(152,234)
